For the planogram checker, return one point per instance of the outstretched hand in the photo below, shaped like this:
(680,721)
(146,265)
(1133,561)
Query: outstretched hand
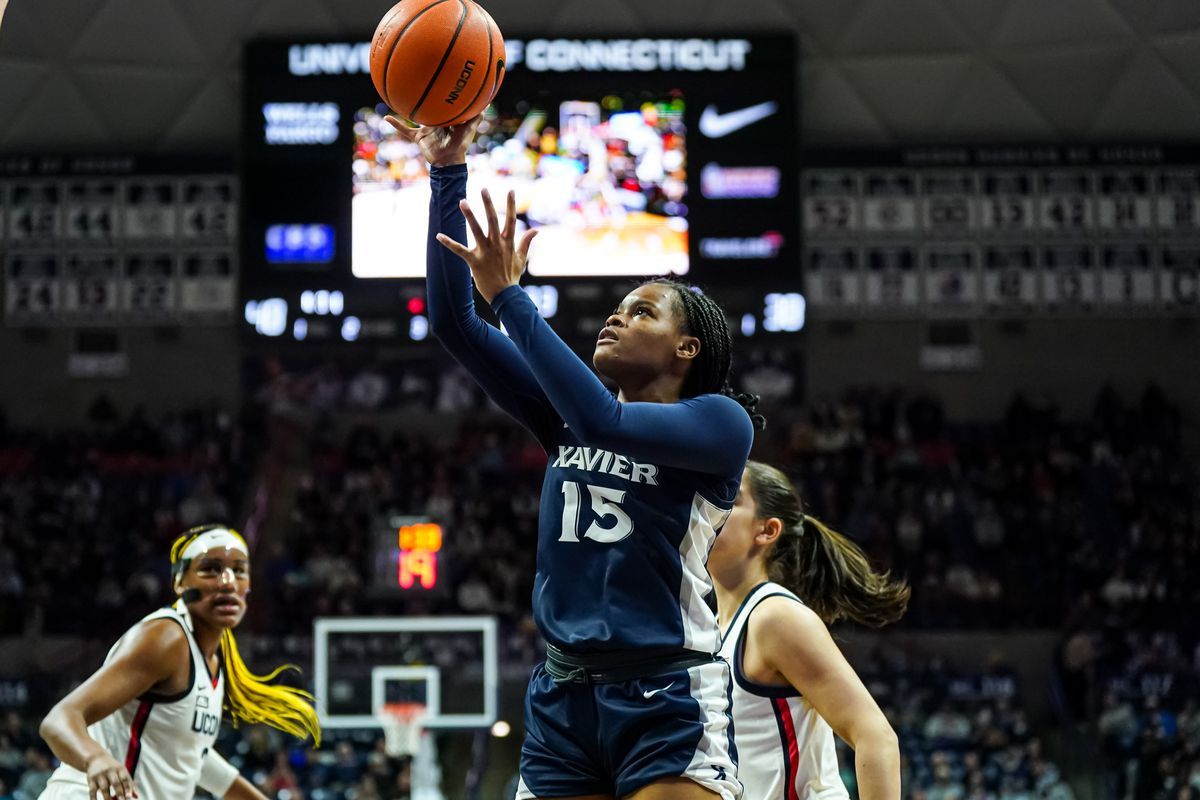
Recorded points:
(442,147)
(497,260)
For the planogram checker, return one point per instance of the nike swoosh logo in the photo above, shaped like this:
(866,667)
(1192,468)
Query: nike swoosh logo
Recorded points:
(653,692)
(715,125)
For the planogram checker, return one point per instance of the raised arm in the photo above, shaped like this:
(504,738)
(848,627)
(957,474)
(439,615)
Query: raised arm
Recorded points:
(481,348)
(149,656)
(710,434)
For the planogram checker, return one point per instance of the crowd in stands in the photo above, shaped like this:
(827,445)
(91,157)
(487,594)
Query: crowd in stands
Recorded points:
(1087,525)
(963,735)
(87,516)
(1145,683)
(1031,521)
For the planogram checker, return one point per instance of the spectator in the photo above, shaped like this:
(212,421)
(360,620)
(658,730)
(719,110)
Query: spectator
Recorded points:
(37,774)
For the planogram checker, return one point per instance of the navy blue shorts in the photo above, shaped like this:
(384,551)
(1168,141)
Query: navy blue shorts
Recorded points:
(615,738)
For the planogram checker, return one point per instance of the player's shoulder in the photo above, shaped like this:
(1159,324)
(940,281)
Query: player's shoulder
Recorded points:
(724,409)
(783,616)
(159,639)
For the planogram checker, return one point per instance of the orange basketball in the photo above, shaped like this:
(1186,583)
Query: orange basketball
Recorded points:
(437,62)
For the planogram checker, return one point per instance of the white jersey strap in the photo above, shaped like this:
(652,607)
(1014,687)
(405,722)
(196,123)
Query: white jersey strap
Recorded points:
(171,613)
(737,629)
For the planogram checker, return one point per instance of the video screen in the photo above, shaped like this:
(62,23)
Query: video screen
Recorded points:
(604,181)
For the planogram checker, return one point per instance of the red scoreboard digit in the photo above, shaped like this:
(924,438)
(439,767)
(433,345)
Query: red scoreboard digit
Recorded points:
(419,546)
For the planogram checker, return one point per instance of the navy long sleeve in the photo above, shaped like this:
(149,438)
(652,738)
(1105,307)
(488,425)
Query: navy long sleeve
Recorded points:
(482,349)
(634,493)
(710,433)
(537,379)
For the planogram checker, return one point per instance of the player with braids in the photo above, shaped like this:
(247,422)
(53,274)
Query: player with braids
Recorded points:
(151,713)
(705,319)
(781,577)
(632,701)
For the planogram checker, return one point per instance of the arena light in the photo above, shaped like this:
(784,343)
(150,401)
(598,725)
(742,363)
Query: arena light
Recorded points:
(749,325)
(784,312)
(269,317)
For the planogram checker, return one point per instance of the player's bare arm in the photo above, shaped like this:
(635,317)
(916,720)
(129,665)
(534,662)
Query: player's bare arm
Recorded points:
(154,657)
(243,789)
(789,643)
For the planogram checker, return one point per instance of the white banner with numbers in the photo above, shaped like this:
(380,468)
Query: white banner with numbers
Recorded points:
(833,275)
(115,240)
(1003,231)
(891,279)
(1180,277)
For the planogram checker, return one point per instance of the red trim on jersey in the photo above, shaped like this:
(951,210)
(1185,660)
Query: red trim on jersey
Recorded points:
(791,747)
(134,751)
(214,676)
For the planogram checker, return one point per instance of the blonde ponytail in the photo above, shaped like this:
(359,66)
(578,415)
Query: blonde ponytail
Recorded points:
(253,699)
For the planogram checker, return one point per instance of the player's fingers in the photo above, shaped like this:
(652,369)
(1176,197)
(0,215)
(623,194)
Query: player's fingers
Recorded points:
(468,126)
(405,130)
(472,222)
(490,210)
(127,785)
(453,246)
(526,239)
(510,216)
(101,786)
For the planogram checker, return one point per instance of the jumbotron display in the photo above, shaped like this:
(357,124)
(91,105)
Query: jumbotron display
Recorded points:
(633,157)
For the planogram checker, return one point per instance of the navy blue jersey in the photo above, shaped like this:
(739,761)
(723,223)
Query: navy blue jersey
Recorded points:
(634,492)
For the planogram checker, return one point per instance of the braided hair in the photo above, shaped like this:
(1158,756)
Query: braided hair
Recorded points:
(704,318)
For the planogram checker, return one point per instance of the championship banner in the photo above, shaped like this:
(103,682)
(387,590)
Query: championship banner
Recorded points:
(117,239)
(833,276)
(1005,230)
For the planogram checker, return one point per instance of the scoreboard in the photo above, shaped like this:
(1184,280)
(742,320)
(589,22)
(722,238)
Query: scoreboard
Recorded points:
(117,240)
(406,556)
(632,157)
(1002,231)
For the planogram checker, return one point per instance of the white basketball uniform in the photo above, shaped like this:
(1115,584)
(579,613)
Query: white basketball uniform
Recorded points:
(164,741)
(785,750)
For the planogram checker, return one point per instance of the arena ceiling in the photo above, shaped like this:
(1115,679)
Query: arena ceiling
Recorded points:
(162,75)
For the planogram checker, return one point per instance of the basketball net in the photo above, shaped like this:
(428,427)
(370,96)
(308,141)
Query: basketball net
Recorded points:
(405,736)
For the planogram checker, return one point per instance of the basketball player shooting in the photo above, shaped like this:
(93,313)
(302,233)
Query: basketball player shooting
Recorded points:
(144,724)
(781,576)
(632,698)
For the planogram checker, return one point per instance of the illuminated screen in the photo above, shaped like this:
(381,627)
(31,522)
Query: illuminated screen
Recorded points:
(630,157)
(407,555)
(604,181)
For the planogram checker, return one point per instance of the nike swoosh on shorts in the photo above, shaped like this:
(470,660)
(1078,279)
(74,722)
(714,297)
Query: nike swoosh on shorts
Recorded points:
(715,125)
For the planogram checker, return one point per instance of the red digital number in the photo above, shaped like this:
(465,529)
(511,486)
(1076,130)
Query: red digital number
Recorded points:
(418,566)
